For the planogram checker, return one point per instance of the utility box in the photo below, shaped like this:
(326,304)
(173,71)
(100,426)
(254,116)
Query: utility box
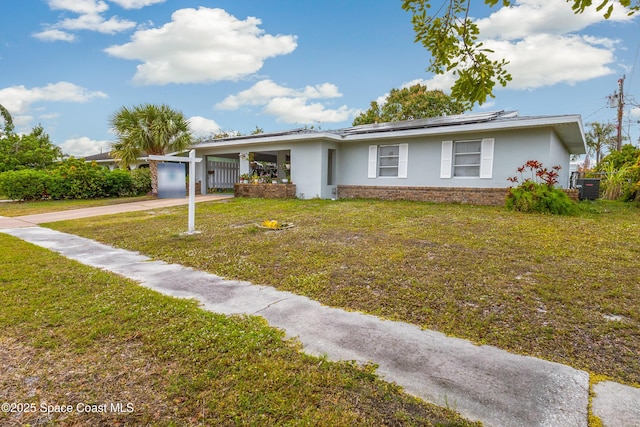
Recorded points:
(589,188)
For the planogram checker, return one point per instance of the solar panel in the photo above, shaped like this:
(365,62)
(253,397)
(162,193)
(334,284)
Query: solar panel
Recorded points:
(457,119)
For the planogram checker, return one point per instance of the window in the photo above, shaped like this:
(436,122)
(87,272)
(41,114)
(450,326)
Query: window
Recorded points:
(466,158)
(388,161)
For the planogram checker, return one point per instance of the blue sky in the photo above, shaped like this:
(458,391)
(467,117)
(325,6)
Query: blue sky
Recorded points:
(234,65)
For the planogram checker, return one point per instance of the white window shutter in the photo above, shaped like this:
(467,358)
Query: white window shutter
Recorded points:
(403,160)
(373,161)
(486,158)
(446,159)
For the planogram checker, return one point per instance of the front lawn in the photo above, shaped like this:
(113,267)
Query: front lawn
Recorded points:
(79,346)
(13,209)
(562,288)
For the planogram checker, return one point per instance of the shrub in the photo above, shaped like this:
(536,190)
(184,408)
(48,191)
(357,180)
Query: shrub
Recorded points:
(25,184)
(635,179)
(76,179)
(140,181)
(617,184)
(536,197)
(615,160)
(538,192)
(118,183)
(621,169)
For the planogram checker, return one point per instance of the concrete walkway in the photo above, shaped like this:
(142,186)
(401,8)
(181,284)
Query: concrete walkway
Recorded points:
(31,220)
(481,382)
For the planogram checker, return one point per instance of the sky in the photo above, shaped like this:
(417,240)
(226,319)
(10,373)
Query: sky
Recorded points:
(237,65)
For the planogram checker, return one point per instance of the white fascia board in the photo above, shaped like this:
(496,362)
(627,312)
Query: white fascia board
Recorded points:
(173,159)
(269,140)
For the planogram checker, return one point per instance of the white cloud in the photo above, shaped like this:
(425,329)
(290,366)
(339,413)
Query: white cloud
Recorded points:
(79,6)
(201,45)
(529,17)
(441,82)
(53,35)
(488,105)
(49,116)
(297,110)
(258,94)
(95,22)
(203,127)
(265,90)
(324,90)
(136,4)
(290,105)
(539,39)
(546,60)
(83,146)
(21,121)
(90,19)
(18,99)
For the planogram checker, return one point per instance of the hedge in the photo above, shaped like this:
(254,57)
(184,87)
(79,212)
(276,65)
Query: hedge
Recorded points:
(74,179)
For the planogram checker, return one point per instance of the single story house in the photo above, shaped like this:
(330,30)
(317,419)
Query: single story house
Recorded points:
(465,158)
(108,161)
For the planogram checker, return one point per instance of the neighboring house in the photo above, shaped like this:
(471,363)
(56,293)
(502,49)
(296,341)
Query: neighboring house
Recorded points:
(465,158)
(106,160)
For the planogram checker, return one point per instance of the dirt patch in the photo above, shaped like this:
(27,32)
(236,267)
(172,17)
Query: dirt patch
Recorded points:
(113,384)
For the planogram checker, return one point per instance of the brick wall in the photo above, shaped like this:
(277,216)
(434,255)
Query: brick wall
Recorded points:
(473,196)
(198,187)
(267,191)
(573,194)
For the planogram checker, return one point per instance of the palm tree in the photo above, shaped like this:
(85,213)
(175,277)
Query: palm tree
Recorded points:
(599,138)
(151,129)
(8,121)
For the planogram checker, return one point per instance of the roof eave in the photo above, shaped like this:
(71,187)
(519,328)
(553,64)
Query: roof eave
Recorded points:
(268,140)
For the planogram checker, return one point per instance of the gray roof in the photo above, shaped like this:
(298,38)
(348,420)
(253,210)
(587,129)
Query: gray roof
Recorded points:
(98,157)
(430,122)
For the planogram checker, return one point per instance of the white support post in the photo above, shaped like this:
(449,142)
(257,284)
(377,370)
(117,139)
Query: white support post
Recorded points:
(192,192)
(244,163)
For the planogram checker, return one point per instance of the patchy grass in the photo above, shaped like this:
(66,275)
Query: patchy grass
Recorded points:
(12,209)
(562,288)
(78,336)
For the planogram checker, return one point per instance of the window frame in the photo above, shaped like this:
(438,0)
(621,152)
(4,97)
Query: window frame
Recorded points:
(486,159)
(456,156)
(382,167)
(375,164)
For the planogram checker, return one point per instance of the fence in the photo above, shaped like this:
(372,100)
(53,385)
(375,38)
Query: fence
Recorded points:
(222,173)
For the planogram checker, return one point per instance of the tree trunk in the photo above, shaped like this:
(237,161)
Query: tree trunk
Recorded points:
(153,169)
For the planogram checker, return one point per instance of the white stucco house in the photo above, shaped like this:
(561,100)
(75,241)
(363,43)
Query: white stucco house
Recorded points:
(106,160)
(465,158)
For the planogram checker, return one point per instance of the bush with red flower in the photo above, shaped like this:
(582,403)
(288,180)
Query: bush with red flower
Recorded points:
(537,191)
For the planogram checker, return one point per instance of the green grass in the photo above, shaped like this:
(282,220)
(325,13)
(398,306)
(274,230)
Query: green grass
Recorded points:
(540,285)
(12,209)
(71,334)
